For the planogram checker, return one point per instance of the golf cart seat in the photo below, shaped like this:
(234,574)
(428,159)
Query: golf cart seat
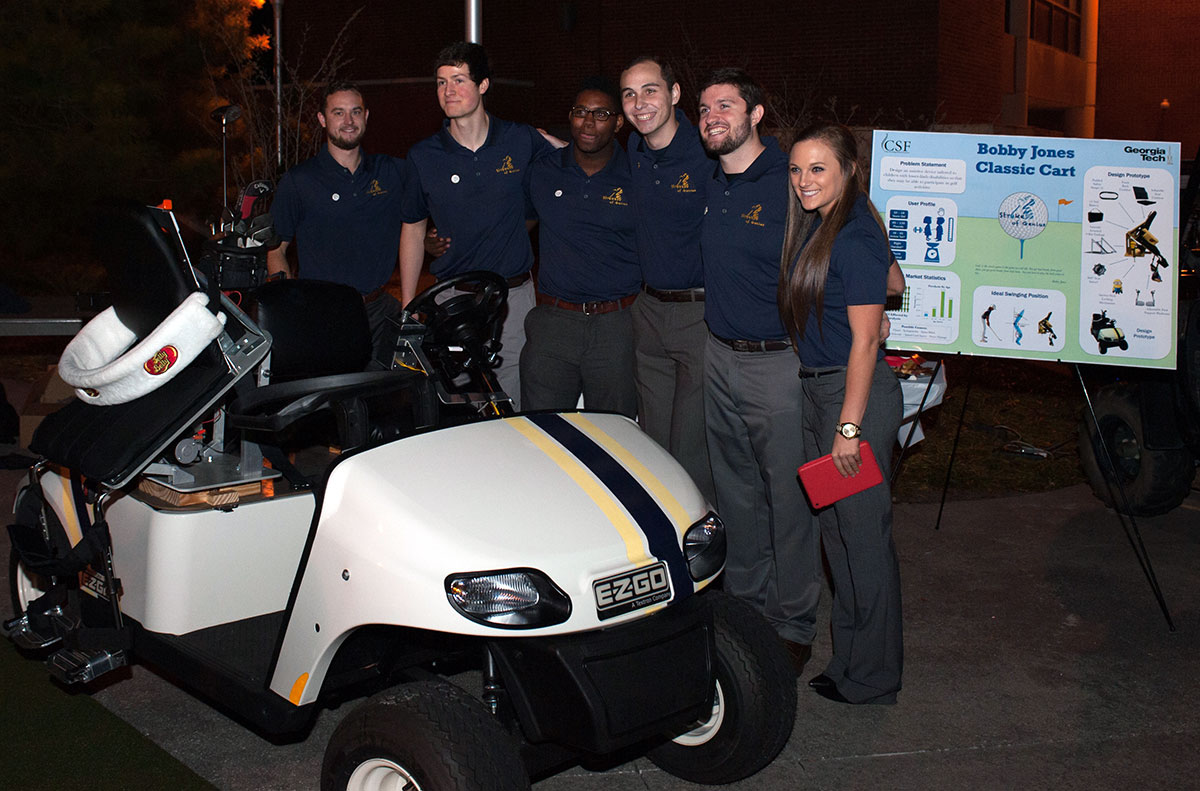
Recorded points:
(321,342)
(149,281)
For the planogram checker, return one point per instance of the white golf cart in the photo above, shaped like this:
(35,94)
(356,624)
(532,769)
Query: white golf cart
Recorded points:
(235,501)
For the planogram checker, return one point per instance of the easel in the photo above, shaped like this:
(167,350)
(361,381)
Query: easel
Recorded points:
(1132,533)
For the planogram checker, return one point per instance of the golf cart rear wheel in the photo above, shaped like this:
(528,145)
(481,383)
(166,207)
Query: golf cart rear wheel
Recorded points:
(424,736)
(754,702)
(23,586)
(1155,481)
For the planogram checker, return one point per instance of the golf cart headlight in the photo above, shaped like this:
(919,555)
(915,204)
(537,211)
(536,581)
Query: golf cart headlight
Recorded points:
(704,547)
(509,599)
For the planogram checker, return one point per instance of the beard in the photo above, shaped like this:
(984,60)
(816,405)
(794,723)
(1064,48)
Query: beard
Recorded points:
(345,143)
(733,139)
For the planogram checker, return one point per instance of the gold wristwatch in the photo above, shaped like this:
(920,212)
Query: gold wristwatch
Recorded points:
(849,430)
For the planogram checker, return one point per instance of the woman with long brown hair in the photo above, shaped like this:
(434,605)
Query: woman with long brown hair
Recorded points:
(835,274)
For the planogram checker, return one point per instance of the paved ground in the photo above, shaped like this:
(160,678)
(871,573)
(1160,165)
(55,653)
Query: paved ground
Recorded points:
(1036,657)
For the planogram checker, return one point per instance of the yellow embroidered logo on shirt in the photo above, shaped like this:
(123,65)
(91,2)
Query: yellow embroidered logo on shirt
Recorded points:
(616,197)
(506,166)
(751,217)
(684,184)
(375,189)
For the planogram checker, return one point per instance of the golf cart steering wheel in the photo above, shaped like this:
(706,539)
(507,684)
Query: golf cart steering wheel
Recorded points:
(470,319)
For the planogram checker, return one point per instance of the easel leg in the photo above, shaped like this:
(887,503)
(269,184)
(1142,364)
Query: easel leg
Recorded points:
(957,433)
(915,422)
(1132,533)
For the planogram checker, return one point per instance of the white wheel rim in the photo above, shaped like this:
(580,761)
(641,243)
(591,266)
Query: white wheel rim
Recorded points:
(380,774)
(709,728)
(28,588)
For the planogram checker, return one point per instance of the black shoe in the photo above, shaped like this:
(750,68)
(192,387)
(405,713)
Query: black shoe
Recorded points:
(830,693)
(799,653)
(817,682)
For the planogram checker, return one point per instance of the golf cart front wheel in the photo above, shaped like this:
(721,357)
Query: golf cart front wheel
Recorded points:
(424,736)
(754,702)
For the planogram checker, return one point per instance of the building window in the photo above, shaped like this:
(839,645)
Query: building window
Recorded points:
(1056,23)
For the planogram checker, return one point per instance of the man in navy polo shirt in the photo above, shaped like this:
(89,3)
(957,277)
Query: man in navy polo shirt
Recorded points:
(751,389)
(670,170)
(469,178)
(342,209)
(579,338)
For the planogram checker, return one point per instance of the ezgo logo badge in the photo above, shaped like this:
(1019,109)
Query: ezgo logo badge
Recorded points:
(631,590)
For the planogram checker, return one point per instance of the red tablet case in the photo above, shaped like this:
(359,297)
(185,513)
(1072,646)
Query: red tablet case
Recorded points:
(825,485)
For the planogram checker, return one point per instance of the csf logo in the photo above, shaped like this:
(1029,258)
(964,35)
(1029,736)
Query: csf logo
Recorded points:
(751,217)
(631,590)
(506,166)
(895,145)
(162,361)
(374,189)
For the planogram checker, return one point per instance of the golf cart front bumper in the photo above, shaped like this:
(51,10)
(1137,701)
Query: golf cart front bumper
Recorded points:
(606,689)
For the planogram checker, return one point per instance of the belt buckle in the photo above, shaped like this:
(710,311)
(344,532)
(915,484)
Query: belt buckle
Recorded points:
(590,308)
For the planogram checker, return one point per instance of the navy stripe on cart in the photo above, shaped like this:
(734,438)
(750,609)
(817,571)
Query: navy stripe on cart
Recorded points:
(647,514)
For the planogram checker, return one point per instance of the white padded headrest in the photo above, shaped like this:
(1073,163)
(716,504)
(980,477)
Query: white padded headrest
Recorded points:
(102,367)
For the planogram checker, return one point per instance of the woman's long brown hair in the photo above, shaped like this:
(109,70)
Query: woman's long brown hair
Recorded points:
(803,268)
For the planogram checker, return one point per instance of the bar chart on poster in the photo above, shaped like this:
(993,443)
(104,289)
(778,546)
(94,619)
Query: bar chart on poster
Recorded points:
(1032,247)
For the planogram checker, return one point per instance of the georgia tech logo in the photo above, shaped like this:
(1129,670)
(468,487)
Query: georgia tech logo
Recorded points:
(616,197)
(374,189)
(895,146)
(506,166)
(162,360)
(751,217)
(684,184)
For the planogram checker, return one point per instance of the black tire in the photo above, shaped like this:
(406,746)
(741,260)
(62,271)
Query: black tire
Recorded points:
(1155,481)
(755,706)
(432,734)
(22,586)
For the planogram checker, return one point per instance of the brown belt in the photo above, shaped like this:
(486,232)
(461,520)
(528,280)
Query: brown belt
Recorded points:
(371,296)
(739,345)
(676,295)
(587,308)
(513,282)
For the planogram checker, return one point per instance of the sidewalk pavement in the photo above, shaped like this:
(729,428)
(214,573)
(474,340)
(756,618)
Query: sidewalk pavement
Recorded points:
(1036,657)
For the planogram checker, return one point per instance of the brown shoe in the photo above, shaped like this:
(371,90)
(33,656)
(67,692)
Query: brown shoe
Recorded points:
(800,653)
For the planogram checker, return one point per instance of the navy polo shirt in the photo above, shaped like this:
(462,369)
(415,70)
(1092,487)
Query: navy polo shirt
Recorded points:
(669,189)
(741,240)
(858,270)
(477,198)
(586,237)
(346,225)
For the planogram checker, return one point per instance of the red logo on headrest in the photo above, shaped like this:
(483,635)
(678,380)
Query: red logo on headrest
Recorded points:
(162,360)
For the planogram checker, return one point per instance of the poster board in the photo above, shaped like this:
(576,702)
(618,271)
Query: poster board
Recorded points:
(1032,247)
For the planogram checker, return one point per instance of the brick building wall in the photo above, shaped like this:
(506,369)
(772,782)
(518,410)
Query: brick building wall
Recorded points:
(1149,52)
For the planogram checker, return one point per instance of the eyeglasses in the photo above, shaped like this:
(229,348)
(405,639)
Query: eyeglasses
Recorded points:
(600,115)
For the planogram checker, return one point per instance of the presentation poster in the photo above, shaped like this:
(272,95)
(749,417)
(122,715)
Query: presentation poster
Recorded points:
(1032,247)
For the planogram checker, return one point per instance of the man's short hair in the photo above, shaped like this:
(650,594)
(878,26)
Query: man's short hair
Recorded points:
(604,86)
(668,73)
(474,56)
(750,90)
(338,86)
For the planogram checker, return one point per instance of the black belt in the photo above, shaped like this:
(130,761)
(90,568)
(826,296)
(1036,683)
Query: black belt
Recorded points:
(588,308)
(676,295)
(513,282)
(814,373)
(739,345)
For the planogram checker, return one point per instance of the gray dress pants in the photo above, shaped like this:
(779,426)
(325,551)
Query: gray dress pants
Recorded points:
(752,409)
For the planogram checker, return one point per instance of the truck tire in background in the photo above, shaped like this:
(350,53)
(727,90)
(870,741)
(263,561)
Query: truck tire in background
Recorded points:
(1155,481)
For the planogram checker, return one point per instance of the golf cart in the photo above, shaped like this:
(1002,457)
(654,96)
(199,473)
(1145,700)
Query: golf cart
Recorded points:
(235,501)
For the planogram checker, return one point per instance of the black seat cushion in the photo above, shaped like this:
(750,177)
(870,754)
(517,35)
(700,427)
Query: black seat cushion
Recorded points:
(317,328)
